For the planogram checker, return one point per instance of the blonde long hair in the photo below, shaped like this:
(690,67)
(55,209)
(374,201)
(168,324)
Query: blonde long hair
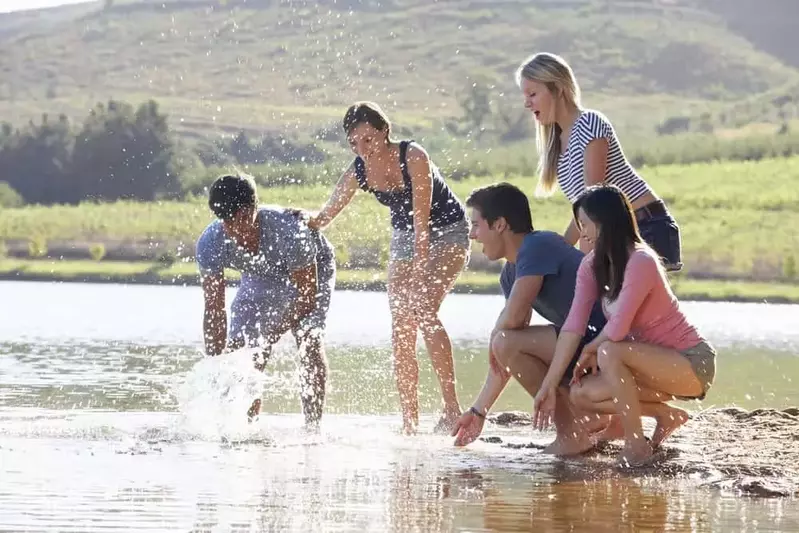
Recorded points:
(555,73)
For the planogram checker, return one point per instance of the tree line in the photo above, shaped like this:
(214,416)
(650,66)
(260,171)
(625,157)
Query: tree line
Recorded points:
(125,152)
(118,152)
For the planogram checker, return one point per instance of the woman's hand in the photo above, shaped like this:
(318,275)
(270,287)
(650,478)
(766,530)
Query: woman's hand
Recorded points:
(311,219)
(544,408)
(587,362)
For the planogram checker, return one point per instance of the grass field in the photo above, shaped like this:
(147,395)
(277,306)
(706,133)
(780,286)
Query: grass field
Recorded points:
(263,65)
(736,218)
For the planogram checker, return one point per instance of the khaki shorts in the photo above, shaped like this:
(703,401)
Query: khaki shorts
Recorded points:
(703,361)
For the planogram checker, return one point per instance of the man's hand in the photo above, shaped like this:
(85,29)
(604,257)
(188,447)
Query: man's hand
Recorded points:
(304,279)
(467,428)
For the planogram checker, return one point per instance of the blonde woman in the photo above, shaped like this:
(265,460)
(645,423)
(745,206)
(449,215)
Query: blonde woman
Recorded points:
(429,248)
(578,147)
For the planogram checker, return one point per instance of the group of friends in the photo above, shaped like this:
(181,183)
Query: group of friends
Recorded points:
(616,345)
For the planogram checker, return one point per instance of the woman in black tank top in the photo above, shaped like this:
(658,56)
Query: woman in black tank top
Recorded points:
(429,248)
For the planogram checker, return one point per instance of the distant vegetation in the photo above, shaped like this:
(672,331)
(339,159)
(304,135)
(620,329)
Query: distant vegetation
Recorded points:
(129,109)
(122,152)
(737,219)
(292,66)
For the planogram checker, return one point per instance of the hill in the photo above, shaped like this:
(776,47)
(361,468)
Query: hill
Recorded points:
(219,66)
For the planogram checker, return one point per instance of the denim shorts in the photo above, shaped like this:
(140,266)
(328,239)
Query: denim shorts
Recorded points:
(260,307)
(662,233)
(403,241)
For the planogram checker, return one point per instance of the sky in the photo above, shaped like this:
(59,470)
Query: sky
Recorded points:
(18,5)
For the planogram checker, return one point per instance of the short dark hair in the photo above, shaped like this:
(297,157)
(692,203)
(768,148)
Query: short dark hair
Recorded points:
(229,193)
(366,113)
(503,200)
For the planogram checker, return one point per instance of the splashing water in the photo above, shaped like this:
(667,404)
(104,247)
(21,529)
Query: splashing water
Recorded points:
(216,393)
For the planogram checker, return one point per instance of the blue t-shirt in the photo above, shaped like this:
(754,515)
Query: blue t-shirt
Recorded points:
(547,254)
(286,244)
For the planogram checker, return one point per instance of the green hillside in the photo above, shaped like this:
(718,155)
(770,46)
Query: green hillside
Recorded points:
(262,65)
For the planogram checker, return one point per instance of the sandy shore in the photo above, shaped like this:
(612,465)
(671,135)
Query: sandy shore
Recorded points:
(747,452)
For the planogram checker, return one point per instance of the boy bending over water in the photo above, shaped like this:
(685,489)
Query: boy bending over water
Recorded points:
(539,274)
(288,273)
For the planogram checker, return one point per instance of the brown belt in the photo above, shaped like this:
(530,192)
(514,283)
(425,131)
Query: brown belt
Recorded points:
(651,210)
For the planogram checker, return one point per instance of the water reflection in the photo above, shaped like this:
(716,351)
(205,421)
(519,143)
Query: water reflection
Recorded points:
(598,505)
(90,439)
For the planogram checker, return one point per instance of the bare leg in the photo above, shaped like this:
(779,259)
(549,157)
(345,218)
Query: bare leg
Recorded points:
(600,393)
(661,369)
(445,263)
(653,404)
(403,341)
(527,353)
(313,378)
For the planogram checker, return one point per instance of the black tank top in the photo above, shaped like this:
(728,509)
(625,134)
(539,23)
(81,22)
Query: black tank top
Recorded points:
(445,207)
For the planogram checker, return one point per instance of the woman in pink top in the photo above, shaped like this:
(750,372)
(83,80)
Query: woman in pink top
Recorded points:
(647,353)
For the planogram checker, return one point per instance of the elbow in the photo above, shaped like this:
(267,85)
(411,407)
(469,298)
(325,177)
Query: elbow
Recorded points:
(615,334)
(516,320)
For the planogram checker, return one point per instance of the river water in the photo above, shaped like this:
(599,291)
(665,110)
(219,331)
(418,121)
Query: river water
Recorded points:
(105,425)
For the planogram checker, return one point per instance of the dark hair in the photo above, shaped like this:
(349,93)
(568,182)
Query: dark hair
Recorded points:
(503,200)
(229,193)
(609,208)
(366,113)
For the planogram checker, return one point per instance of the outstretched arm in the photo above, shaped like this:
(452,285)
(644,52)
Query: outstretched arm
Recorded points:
(342,195)
(516,315)
(214,316)
(422,189)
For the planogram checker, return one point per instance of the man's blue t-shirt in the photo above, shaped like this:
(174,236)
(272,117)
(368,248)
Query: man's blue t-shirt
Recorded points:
(286,244)
(547,254)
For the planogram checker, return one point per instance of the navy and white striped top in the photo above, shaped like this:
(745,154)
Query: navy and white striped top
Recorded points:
(592,125)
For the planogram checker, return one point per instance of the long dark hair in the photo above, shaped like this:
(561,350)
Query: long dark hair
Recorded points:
(609,208)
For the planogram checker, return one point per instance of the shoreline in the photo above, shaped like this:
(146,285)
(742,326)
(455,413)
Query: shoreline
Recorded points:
(470,282)
(714,449)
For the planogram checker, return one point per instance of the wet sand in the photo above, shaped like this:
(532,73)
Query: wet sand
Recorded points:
(754,453)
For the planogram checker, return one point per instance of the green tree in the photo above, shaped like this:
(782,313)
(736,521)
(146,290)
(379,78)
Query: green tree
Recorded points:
(125,153)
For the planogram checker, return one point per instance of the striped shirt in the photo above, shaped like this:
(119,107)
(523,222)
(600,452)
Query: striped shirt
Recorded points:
(592,125)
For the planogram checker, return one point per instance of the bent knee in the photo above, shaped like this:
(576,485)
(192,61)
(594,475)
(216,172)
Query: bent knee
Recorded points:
(610,354)
(579,396)
(502,347)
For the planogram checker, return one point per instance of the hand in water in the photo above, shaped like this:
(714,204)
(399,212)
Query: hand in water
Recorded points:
(467,428)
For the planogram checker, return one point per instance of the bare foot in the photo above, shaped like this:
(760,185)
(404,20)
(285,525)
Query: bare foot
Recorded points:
(613,431)
(634,454)
(254,410)
(312,427)
(566,446)
(409,427)
(667,423)
(595,423)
